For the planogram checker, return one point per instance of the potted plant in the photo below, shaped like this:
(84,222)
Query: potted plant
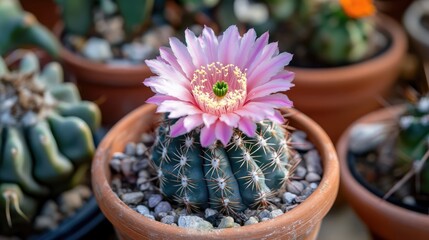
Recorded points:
(46,145)
(385,172)
(219,151)
(105,50)
(21,29)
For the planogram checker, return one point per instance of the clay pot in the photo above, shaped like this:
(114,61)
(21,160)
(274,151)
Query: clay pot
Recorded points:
(303,222)
(116,89)
(416,30)
(336,96)
(385,220)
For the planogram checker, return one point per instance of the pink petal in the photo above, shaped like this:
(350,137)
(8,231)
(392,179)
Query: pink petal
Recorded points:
(277,100)
(256,50)
(266,54)
(272,86)
(231,119)
(167,54)
(247,126)
(159,98)
(223,132)
(183,57)
(178,128)
(228,45)
(246,44)
(178,108)
(209,119)
(164,86)
(195,50)
(207,135)
(255,111)
(268,69)
(192,121)
(210,44)
(168,72)
(277,117)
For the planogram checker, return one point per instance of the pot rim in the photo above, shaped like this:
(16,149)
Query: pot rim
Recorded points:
(318,203)
(336,75)
(412,18)
(352,187)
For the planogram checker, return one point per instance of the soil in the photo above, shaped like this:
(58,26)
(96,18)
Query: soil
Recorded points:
(380,176)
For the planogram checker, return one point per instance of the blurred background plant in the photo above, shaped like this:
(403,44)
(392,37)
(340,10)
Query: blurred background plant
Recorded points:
(319,32)
(21,29)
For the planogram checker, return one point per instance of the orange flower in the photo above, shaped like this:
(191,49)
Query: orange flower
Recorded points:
(358,8)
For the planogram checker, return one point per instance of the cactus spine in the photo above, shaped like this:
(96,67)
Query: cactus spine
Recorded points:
(45,137)
(244,174)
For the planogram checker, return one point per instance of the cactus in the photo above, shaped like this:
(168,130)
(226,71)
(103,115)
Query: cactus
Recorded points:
(45,137)
(246,173)
(135,14)
(413,140)
(21,28)
(338,38)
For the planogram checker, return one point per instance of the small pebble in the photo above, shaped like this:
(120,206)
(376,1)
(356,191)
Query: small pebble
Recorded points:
(276,213)
(168,219)
(149,216)
(265,219)
(148,138)
(163,206)
(44,223)
(69,202)
(288,197)
(140,149)
(312,177)
(140,165)
(154,200)
(313,185)
(300,172)
(127,166)
(264,214)
(295,187)
(250,221)
(130,149)
(409,200)
(132,198)
(194,222)
(226,222)
(97,49)
(83,191)
(312,161)
(209,212)
(142,209)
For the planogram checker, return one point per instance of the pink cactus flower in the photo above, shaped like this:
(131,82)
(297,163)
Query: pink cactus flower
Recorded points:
(220,83)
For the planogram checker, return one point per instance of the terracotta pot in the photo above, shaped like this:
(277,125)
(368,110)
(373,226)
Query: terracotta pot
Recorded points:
(116,89)
(303,222)
(385,220)
(334,97)
(415,29)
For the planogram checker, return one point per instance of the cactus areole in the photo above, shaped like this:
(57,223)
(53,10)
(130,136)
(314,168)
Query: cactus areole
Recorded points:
(221,144)
(46,139)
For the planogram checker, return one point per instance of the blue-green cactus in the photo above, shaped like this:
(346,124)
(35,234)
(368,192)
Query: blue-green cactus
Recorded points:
(244,174)
(45,137)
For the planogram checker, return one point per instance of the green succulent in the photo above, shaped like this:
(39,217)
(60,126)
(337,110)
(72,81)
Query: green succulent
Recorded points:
(413,140)
(246,173)
(20,28)
(45,138)
(78,19)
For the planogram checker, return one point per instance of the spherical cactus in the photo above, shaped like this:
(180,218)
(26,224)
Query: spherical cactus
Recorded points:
(341,38)
(244,174)
(45,137)
(413,142)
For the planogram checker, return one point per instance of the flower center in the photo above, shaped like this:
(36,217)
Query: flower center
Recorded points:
(219,88)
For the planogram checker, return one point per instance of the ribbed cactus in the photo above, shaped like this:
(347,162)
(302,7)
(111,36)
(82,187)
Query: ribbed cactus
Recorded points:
(246,173)
(21,28)
(413,140)
(45,138)
(78,14)
(338,38)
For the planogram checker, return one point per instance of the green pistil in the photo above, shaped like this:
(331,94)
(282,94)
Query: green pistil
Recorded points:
(220,88)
